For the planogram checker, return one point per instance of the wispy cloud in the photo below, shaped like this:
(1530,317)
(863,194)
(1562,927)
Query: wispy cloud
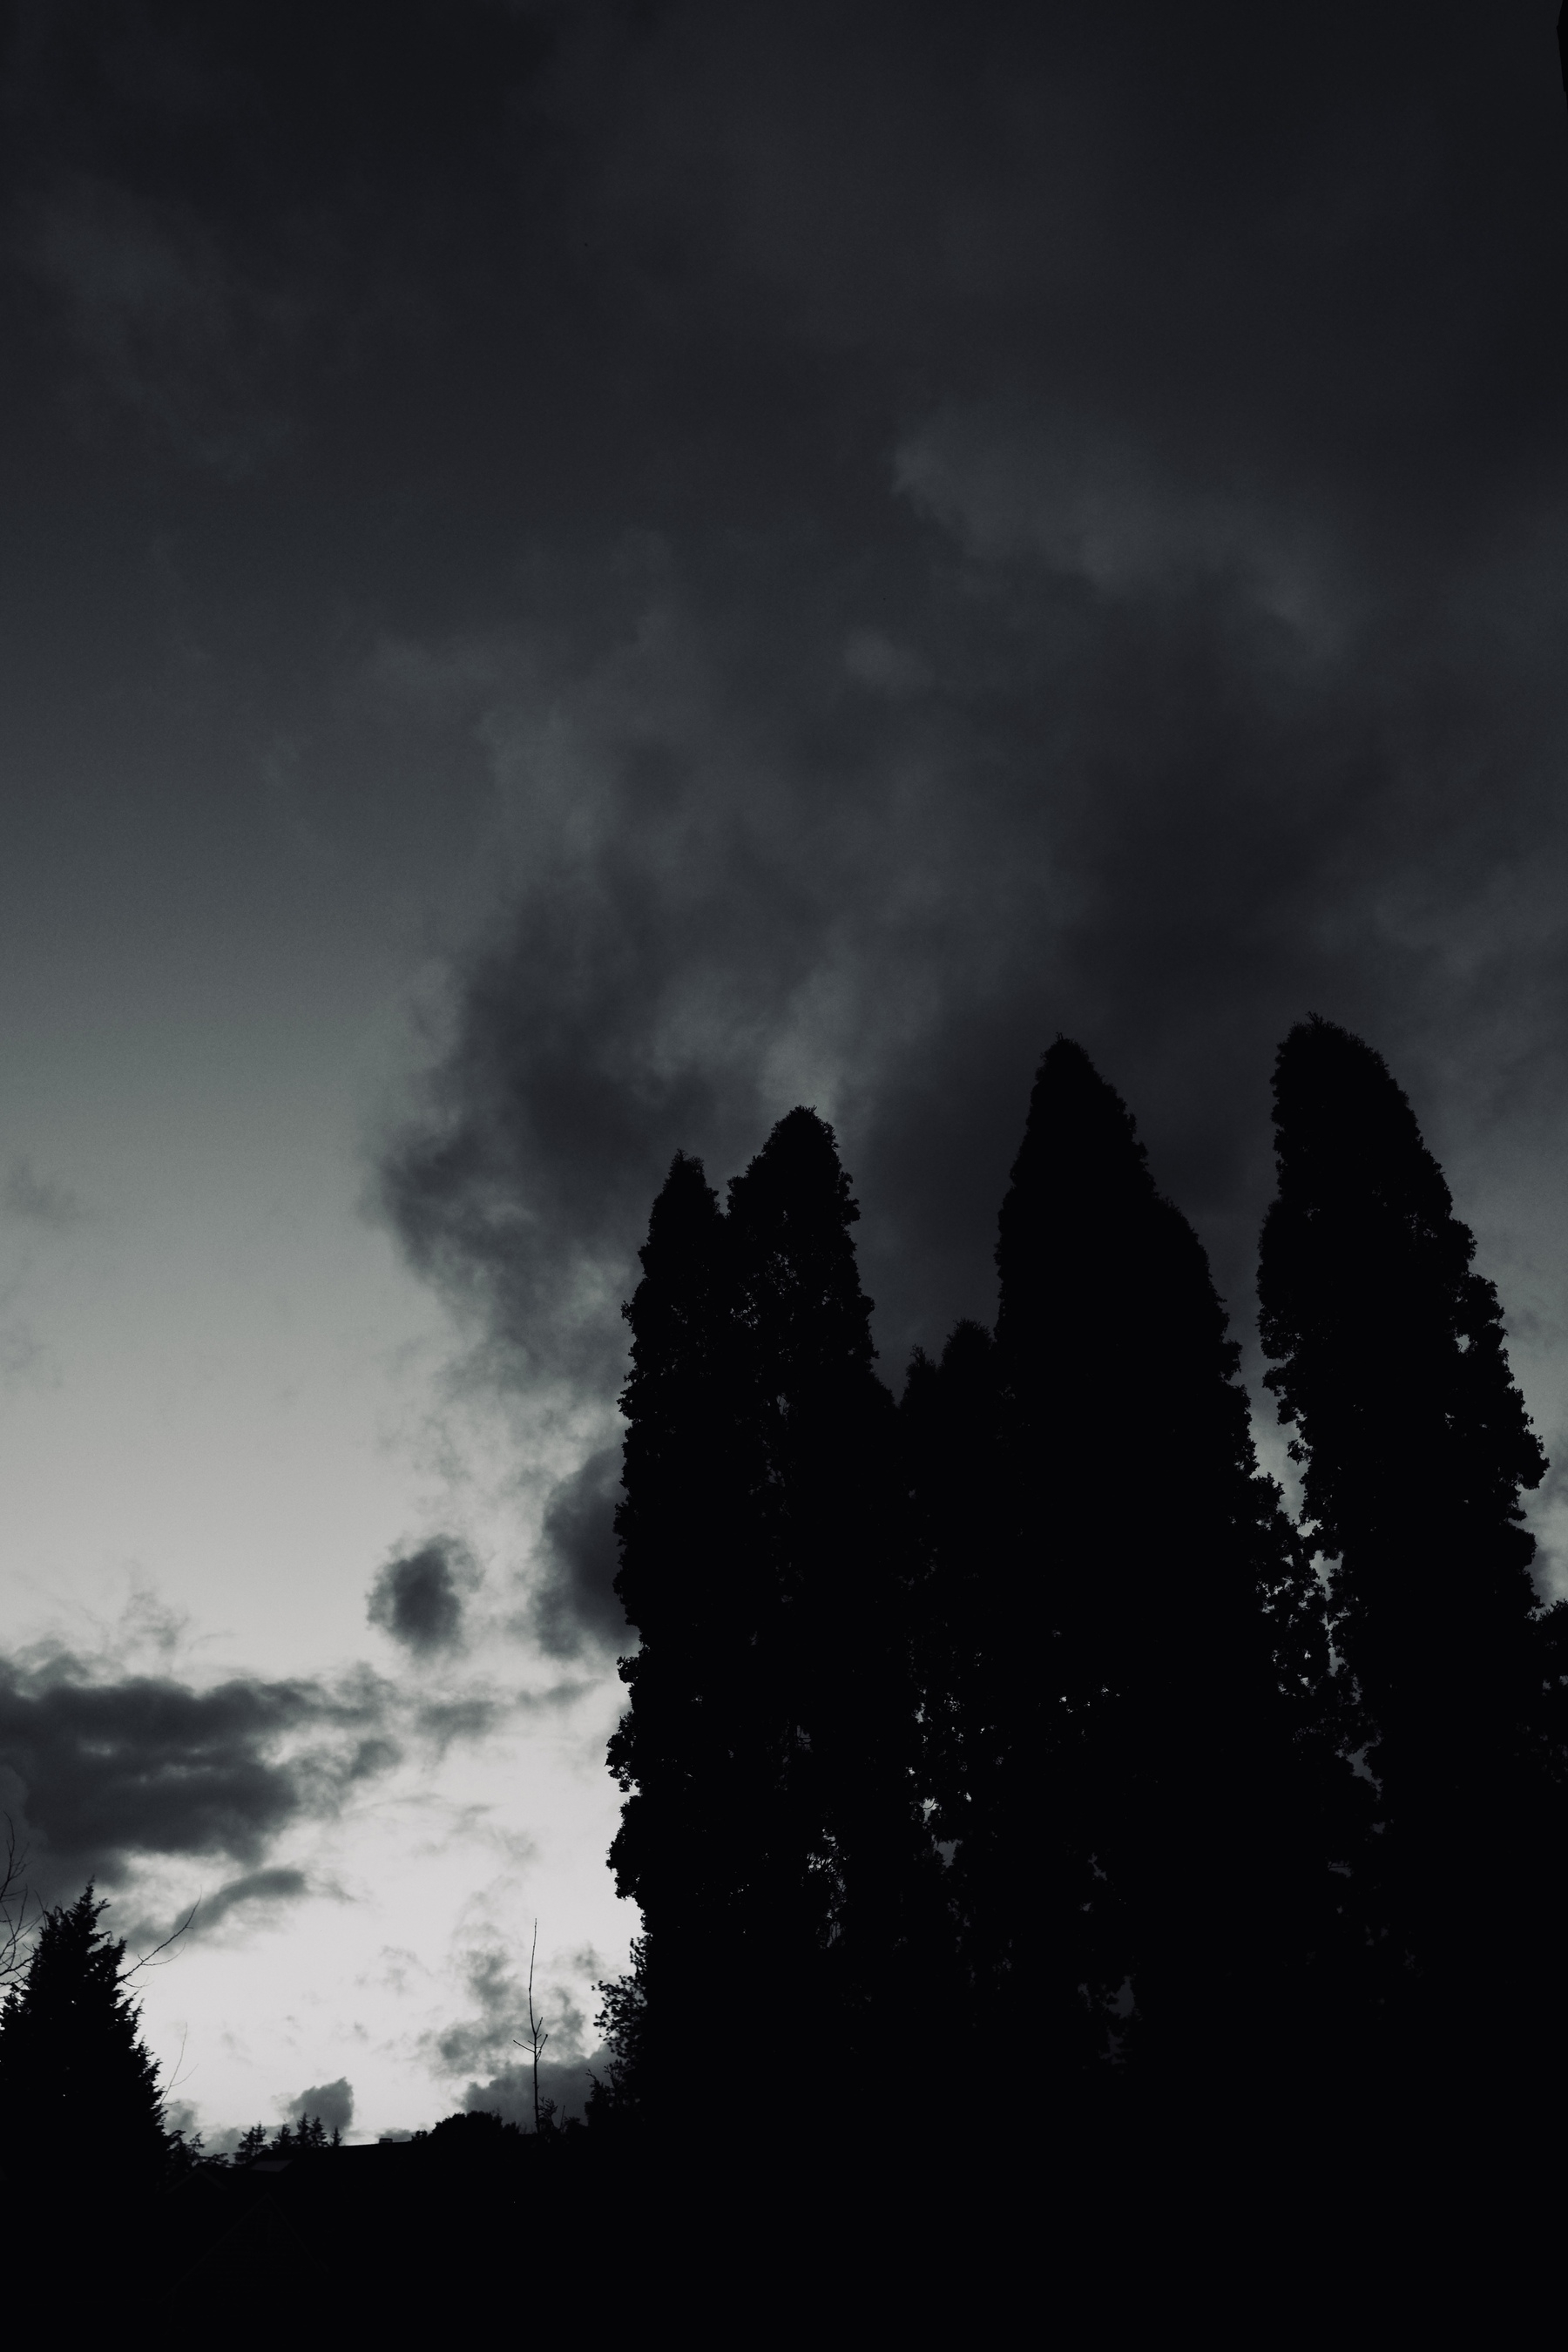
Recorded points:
(39,1199)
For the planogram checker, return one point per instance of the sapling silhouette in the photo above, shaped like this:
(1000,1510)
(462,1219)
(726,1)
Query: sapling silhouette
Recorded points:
(537,2036)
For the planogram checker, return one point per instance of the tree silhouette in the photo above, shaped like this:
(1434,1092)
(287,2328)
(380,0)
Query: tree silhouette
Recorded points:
(1146,1796)
(537,2038)
(622,2094)
(772,1833)
(684,1752)
(977,1702)
(74,2076)
(1415,1449)
(854,1892)
(16,1902)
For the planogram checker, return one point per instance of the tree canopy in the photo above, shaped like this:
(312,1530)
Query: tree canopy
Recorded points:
(1022,1715)
(74,2073)
(1415,1451)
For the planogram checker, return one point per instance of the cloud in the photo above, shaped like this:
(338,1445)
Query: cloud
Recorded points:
(509,2093)
(829,544)
(1058,528)
(100,1772)
(193,203)
(573,1600)
(418,1597)
(163,318)
(467,1715)
(497,1982)
(499,2000)
(181,2115)
(1139,686)
(39,1199)
(333,2103)
(259,1890)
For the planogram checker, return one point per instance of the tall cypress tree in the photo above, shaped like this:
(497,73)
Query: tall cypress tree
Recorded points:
(684,1753)
(1416,1448)
(1149,1761)
(76,2086)
(979,1704)
(856,1875)
(773,1833)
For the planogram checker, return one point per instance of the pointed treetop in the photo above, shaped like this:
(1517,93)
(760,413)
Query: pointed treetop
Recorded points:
(1345,1129)
(797,1165)
(685,1204)
(1079,1133)
(1080,1162)
(679,1261)
(790,1216)
(1388,1350)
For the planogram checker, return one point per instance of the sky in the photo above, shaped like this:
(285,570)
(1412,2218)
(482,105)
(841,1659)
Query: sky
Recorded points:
(572,576)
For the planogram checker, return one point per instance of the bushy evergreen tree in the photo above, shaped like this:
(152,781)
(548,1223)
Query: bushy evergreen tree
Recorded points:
(1152,1805)
(76,2084)
(1415,1448)
(621,2095)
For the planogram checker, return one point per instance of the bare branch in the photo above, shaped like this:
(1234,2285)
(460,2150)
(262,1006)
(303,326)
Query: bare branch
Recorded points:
(16,1900)
(174,2084)
(148,1957)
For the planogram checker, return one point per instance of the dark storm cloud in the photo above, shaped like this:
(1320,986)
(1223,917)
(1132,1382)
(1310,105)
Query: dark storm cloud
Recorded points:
(102,1770)
(930,526)
(221,214)
(332,2103)
(574,1599)
(159,323)
(1123,599)
(418,1597)
(98,1773)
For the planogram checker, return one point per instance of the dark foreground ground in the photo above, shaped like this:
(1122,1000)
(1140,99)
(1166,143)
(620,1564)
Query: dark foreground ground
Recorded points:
(1102,2236)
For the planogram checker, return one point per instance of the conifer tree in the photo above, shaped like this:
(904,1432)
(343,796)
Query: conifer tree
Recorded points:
(854,1876)
(976,1697)
(1151,1790)
(684,1753)
(75,2080)
(772,1833)
(1416,1448)
(949,1434)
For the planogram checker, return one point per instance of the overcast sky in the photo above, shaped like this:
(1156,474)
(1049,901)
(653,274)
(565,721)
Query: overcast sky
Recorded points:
(576,575)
